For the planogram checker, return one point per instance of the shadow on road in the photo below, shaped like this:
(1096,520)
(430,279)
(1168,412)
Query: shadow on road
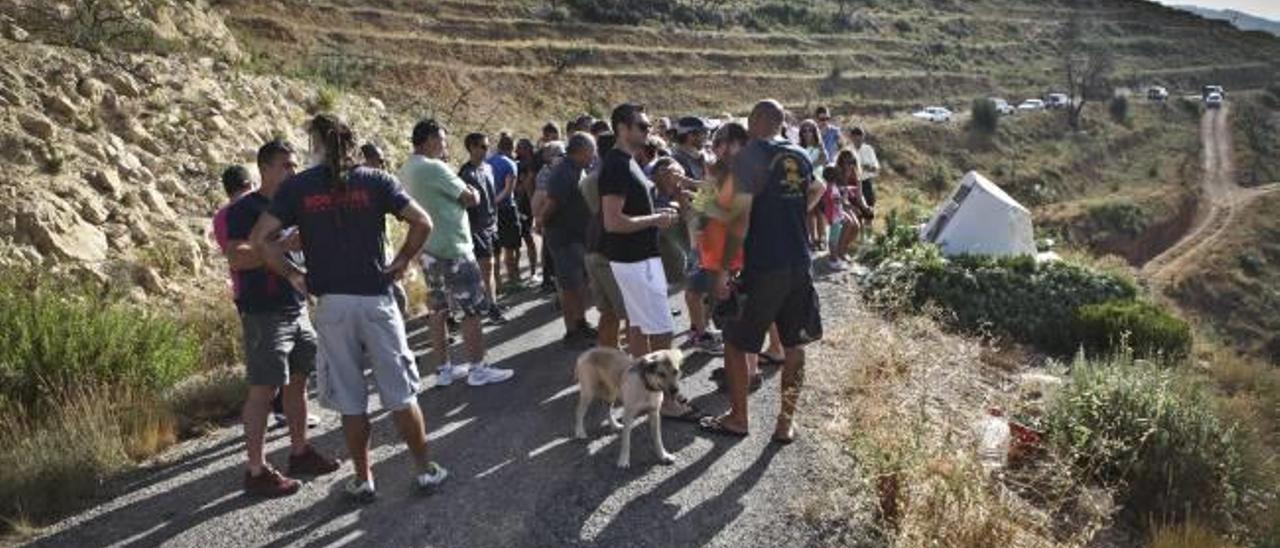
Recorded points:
(517,477)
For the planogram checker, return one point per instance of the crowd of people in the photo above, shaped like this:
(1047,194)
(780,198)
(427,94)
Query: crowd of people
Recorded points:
(616,215)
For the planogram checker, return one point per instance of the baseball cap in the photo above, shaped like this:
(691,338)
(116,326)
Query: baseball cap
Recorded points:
(691,124)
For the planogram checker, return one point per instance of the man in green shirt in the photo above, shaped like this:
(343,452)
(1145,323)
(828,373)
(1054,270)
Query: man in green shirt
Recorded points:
(454,282)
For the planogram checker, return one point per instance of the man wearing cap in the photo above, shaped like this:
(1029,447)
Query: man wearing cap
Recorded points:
(867,163)
(691,140)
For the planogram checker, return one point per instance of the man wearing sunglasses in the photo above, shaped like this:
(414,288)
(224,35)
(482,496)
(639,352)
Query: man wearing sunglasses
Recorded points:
(830,134)
(483,217)
(631,225)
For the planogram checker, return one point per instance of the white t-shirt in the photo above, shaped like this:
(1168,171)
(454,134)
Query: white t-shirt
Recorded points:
(867,161)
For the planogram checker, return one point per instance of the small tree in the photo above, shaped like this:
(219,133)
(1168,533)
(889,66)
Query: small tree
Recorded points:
(1119,109)
(1087,68)
(986,117)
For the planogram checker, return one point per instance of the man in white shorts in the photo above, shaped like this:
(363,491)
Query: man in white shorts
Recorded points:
(631,225)
(340,211)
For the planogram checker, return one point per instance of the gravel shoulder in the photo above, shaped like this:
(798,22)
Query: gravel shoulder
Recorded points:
(517,476)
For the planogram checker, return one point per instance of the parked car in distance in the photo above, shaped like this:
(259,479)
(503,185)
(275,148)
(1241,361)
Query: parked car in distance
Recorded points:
(1057,100)
(1157,93)
(1214,100)
(1206,91)
(1031,105)
(933,114)
(1002,106)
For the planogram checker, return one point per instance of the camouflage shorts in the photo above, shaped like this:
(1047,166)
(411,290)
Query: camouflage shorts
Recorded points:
(455,285)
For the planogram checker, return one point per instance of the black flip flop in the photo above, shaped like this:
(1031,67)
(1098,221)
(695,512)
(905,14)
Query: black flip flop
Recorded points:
(766,359)
(785,441)
(715,426)
(692,416)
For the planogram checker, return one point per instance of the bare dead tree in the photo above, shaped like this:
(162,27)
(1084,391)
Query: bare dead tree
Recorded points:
(1087,68)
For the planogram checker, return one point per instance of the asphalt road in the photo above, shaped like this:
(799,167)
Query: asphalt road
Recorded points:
(517,476)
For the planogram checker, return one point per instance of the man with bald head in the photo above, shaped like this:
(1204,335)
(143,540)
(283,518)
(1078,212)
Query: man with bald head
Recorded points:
(775,187)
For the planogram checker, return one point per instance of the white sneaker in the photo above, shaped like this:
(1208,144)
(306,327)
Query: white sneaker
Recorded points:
(434,476)
(445,375)
(312,421)
(461,371)
(361,491)
(838,265)
(486,374)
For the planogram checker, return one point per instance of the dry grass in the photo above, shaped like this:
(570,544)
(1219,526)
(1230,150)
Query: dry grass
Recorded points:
(55,462)
(1188,535)
(910,396)
(203,400)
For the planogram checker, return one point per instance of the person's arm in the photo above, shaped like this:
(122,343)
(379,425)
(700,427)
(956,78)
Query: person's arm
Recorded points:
(814,196)
(419,230)
(872,163)
(617,222)
(241,255)
(508,186)
(266,242)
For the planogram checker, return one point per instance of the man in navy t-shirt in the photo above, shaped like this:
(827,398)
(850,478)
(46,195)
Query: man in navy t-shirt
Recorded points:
(339,210)
(279,342)
(775,184)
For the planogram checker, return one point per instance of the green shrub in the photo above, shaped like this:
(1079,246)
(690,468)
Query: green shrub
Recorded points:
(1119,109)
(986,118)
(1148,329)
(54,339)
(1152,434)
(1014,297)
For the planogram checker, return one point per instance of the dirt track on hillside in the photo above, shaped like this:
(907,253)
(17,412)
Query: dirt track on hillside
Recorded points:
(1221,200)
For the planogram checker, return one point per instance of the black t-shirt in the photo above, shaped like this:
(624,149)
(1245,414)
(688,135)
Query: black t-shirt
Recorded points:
(778,174)
(482,216)
(620,175)
(567,224)
(259,290)
(343,232)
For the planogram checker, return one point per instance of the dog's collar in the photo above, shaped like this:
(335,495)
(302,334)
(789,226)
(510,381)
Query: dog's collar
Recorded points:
(645,379)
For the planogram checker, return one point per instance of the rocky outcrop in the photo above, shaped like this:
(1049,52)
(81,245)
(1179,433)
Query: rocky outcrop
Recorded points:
(112,162)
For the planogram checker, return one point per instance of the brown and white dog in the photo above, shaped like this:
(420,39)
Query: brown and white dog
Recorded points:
(640,384)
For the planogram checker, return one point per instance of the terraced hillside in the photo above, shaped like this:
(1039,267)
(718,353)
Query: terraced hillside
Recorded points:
(515,63)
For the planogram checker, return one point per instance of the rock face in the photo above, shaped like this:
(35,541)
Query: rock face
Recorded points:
(112,158)
(57,230)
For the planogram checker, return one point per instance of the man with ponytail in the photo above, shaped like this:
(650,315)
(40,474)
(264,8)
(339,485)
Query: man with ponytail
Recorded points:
(339,209)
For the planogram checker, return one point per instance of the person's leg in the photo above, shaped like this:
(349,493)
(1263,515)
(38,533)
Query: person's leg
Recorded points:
(340,371)
(413,429)
(661,341)
(473,339)
(295,411)
(355,430)
(792,382)
(607,329)
(254,413)
(693,300)
(735,365)
(637,342)
(394,372)
(799,322)
(531,250)
(435,272)
(848,236)
(486,277)
(571,303)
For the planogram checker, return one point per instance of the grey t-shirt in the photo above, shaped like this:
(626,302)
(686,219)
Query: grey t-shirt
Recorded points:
(567,224)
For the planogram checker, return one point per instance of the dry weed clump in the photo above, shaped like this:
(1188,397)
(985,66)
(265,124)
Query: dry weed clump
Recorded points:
(913,395)
(56,461)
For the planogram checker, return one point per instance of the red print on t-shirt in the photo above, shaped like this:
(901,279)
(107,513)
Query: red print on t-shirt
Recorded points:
(356,199)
